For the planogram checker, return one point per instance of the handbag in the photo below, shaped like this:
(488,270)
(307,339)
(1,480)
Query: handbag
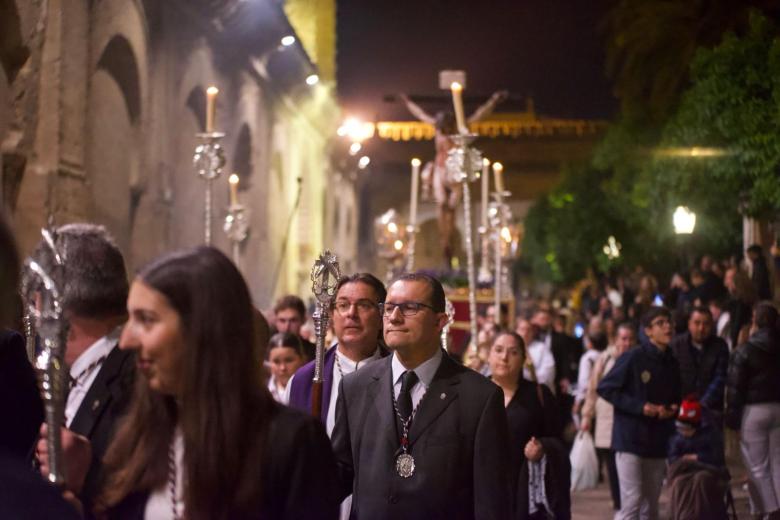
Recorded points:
(584,463)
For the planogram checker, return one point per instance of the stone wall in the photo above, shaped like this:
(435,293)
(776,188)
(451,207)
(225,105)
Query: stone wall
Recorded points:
(100,103)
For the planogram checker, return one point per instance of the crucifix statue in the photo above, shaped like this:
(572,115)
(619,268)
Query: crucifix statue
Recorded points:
(446,192)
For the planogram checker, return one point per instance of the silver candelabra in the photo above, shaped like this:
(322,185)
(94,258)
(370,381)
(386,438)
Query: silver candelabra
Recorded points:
(462,164)
(209,159)
(236,227)
(499,216)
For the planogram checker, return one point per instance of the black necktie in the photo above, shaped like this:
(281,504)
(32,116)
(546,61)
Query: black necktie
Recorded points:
(408,380)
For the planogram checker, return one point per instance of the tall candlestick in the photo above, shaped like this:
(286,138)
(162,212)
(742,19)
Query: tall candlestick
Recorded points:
(415,189)
(485,188)
(211,107)
(498,177)
(233,181)
(457,102)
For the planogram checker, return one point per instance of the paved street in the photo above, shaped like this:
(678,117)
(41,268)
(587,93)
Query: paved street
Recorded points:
(595,504)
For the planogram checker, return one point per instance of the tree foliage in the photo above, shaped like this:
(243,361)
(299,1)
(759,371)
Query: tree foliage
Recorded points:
(717,153)
(733,107)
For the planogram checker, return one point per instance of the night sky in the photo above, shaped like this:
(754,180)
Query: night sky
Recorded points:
(550,49)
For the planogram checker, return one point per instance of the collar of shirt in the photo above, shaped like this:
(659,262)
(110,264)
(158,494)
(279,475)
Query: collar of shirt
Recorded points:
(425,370)
(348,366)
(97,350)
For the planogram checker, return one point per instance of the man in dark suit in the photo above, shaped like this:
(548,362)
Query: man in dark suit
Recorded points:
(418,435)
(357,325)
(22,493)
(101,374)
(704,361)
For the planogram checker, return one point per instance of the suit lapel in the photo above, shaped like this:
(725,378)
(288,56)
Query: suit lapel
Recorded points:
(98,396)
(441,393)
(380,392)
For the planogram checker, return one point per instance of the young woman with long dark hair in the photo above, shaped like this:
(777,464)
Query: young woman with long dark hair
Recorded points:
(203,437)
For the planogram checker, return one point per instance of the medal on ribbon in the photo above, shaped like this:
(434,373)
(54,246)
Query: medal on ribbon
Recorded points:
(404,463)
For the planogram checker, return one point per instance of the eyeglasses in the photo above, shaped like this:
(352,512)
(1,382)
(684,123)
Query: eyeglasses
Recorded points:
(660,323)
(407,308)
(362,306)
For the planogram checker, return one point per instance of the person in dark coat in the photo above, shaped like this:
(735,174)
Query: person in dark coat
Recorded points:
(644,388)
(762,281)
(19,397)
(753,408)
(703,358)
(23,493)
(697,476)
(203,438)
(419,436)
(539,462)
(101,374)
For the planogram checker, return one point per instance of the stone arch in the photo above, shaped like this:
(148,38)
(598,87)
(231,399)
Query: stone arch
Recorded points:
(117,85)
(196,102)
(118,60)
(13,52)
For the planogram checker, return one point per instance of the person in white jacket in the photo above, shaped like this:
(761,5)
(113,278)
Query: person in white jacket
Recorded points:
(540,364)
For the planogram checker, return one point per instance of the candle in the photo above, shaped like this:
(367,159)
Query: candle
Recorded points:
(498,177)
(211,107)
(233,181)
(457,102)
(415,189)
(485,188)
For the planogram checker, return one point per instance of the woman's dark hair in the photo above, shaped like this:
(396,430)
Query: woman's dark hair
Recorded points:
(220,382)
(286,339)
(598,340)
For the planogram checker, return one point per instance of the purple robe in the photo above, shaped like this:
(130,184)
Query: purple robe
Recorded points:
(300,391)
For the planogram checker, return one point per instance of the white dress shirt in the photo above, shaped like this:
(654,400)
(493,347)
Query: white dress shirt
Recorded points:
(347,367)
(83,380)
(280,396)
(543,362)
(425,372)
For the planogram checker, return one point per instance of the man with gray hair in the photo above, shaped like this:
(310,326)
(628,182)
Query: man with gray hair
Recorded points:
(101,374)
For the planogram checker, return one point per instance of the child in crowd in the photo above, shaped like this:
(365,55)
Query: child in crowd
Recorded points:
(285,356)
(697,477)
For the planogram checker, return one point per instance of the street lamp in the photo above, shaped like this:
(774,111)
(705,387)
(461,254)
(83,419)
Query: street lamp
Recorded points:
(684,220)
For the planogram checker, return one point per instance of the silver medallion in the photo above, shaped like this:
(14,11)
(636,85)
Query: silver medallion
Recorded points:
(404,465)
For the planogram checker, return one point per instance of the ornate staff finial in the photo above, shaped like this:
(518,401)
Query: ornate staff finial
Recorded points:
(43,287)
(325,275)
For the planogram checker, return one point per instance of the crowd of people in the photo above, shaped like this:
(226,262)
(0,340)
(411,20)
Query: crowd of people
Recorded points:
(187,402)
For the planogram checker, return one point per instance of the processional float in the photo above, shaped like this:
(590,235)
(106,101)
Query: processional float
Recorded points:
(462,166)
